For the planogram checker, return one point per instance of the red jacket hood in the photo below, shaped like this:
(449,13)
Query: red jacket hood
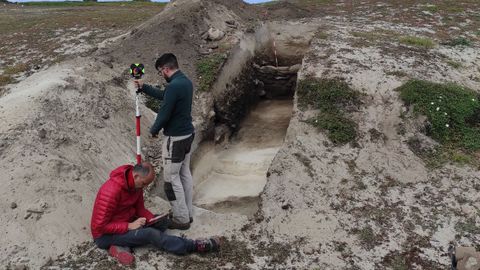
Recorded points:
(123,176)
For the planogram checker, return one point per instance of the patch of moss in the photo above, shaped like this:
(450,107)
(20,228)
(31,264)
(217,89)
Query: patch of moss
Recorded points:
(330,97)
(467,227)
(367,237)
(417,42)
(321,35)
(452,111)
(207,69)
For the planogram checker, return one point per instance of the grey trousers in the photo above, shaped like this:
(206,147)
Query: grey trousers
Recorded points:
(176,154)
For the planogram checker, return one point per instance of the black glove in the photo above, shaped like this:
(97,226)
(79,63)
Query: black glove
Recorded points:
(139,90)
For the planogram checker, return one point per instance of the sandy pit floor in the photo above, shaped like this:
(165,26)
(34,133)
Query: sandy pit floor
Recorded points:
(232,176)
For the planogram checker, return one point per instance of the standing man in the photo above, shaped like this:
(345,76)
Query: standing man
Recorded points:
(175,118)
(120,220)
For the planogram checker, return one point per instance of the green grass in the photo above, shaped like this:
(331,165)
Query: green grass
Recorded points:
(453,112)
(207,70)
(432,9)
(417,42)
(370,36)
(460,41)
(467,227)
(330,97)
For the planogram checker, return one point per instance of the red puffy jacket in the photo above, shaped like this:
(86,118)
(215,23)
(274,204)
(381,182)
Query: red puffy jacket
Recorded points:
(117,204)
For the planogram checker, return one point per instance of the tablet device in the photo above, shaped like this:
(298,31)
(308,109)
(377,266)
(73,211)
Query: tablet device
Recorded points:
(156,219)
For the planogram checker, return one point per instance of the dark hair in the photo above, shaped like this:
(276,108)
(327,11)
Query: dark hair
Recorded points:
(167,60)
(141,169)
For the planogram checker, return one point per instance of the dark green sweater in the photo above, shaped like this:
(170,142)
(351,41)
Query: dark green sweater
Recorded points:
(175,114)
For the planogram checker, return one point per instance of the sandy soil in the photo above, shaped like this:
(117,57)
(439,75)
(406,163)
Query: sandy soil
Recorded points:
(370,205)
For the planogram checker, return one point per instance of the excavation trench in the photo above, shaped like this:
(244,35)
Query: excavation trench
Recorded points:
(230,176)
(253,108)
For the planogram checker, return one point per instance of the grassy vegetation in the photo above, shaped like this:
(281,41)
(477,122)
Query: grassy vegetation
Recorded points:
(399,263)
(397,73)
(454,64)
(432,8)
(41,30)
(453,112)
(92,3)
(11,70)
(370,36)
(207,69)
(367,237)
(460,41)
(417,42)
(330,97)
(5,79)
(467,227)
(321,35)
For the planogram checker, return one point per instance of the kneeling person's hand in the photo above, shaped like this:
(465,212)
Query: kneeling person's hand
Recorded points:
(137,223)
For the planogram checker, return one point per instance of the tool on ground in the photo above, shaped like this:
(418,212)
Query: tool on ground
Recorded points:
(137,71)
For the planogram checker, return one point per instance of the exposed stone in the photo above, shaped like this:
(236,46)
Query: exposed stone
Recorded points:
(215,34)
(222,134)
(13,205)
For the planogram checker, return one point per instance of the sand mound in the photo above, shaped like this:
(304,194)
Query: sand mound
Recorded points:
(67,127)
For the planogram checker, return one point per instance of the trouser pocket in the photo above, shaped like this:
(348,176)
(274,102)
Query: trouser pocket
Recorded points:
(180,149)
(169,191)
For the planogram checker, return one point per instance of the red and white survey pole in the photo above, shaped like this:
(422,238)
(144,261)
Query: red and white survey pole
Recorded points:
(139,149)
(137,71)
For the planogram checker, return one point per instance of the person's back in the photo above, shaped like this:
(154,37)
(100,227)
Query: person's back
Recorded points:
(180,122)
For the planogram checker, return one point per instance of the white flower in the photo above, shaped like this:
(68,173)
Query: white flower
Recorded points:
(446,113)
(447,125)
(432,103)
(438,109)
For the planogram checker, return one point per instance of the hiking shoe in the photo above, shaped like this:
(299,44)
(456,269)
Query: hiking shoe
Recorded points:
(170,215)
(208,245)
(122,254)
(173,225)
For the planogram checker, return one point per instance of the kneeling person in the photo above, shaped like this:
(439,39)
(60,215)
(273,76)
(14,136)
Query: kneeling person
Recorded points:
(119,218)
